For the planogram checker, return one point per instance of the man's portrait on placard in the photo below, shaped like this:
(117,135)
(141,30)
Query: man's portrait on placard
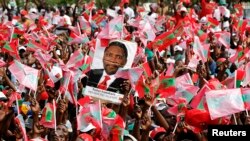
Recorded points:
(119,54)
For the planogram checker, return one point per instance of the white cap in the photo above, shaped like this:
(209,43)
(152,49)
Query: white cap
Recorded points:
(22,47)
(33,10)
(184,9)
(178,48)
(203,20)
(2,96)
(89,127)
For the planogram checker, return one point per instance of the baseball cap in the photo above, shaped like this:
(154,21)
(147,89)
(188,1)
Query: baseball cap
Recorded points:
(178,48)
(156,131)
(3,97)
(184,9)
(24,12)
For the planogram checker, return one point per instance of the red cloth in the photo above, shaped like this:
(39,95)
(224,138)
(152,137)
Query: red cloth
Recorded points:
(103,84)
(207,8)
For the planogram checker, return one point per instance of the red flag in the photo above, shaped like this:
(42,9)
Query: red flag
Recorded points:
(199,101)
(12,48)
(48,119)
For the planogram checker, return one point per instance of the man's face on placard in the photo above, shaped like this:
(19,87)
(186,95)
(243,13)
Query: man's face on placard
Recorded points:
(114,58)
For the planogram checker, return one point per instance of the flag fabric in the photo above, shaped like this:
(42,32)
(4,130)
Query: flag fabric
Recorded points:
(84,25)
(240,26)
(224,38)
(132,74)
(2,63)
(76,60)
(199,101)
(33,46)
(247,75)
(86,65)
(113,125)
(163,41)
(166,86)
(186,91)
(246,97)
(98,18)
(147,69)
(178,109)
(48,116)
(43,58)
(170,70)
(239,10)
(199,49)
(81,39)
(84,100)
(113,30)
(12,48)
(239,77)
(20,121)
(229,82)
(224,102)
(147,33)
(143,88)
(212,22)
(26,75)
(202,35)
(184,79)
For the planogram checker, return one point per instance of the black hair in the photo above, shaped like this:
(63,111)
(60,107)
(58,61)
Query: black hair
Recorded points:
(119,44)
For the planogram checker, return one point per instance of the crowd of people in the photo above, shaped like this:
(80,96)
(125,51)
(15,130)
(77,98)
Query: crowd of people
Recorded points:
(185,50)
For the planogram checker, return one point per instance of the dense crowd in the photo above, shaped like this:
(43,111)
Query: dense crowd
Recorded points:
(189,55)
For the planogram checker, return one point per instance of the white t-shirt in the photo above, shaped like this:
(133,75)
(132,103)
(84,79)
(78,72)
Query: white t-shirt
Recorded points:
(217,14)
(130,12)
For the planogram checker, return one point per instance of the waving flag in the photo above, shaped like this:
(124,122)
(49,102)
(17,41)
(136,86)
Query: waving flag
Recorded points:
(247,75)
(229,82)
(186,91)
(26,75)
(33,46)
(113,125)
(199,49)
(43,58)
(132,74)
(224,102)
(84,25)
(147,69)
(239,77)
(76,59)
(224,38)
(12,48)
(48,118)
(246,97)
(184,79)
(198,102)
(90,114)
(82,39)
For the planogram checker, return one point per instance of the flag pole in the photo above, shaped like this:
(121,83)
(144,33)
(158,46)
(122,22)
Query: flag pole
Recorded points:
(235,120)
(17,105)
(175,127)
(12,32)
(54,107)
(247,113)
(100,107)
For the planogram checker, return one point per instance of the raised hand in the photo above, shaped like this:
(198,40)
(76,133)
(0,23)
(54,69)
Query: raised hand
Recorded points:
(146,122)
(138,112)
